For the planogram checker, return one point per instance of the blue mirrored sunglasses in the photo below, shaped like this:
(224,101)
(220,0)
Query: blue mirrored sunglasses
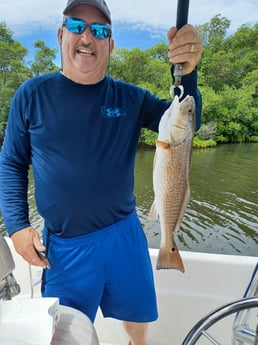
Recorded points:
(78,26)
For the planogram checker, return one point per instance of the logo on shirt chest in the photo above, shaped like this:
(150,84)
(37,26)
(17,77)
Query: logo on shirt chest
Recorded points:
(111,112)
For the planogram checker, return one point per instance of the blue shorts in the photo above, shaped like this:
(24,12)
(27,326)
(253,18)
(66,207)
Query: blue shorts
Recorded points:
(110,268)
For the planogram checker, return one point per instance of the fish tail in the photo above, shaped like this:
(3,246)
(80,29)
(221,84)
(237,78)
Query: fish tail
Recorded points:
(170,258)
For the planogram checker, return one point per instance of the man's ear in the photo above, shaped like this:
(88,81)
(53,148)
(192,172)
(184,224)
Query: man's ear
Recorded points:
(111,45)
(60,36)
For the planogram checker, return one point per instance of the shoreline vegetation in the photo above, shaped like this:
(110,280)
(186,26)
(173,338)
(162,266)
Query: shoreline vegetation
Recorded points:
(227,79)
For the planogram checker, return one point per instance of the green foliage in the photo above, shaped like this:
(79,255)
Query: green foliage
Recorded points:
(148,137)
(213,33)
(43,59)
(149,69)
(227,80)
(12,71)
(202,144)
(227,76)
(229,83)
(11,53)
(128,65)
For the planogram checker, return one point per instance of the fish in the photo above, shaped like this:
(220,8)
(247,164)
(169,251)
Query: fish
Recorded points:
(171,172)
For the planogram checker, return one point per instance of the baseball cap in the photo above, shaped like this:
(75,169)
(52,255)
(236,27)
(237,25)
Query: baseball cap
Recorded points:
(99,4)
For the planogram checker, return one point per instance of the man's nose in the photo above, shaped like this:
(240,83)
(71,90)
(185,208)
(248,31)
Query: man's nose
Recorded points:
(86,34)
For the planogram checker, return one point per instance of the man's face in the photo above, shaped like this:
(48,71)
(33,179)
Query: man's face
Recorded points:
(84,56)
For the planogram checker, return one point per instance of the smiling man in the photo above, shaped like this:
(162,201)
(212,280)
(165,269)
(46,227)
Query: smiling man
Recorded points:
(86,42)
(79,129)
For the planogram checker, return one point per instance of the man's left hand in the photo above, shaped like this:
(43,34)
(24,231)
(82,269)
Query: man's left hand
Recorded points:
(185,47)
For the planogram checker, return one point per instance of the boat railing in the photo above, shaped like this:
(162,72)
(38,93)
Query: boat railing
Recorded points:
(243,333)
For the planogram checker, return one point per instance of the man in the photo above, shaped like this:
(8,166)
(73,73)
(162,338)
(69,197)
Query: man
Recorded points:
(79,129)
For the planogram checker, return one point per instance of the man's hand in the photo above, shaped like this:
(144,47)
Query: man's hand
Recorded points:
(185,47)
(26,242)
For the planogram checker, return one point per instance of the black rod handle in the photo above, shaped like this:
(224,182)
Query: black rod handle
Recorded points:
(182,13)
(181,20)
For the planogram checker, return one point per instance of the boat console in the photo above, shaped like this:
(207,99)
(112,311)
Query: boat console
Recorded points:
(40,321)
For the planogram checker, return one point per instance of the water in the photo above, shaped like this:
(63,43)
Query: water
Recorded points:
(222,216)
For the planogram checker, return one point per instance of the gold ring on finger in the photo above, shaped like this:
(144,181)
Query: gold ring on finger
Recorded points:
(192,50)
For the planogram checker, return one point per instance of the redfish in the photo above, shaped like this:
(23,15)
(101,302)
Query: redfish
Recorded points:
(171,171)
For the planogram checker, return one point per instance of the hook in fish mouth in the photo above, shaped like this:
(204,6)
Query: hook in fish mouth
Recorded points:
(172,91)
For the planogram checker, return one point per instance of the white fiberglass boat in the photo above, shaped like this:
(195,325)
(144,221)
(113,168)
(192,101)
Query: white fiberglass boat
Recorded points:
(209,281)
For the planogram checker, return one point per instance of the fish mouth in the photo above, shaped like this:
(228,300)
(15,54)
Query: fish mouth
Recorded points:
(187,98)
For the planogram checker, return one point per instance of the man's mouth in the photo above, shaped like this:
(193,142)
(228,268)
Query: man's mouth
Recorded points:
(86,52)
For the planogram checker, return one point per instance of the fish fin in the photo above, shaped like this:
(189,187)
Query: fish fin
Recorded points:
(154,160)
(162,144)
(170,258)
(153,215)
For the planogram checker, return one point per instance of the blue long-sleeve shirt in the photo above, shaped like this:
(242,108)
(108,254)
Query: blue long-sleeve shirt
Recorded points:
(81,141)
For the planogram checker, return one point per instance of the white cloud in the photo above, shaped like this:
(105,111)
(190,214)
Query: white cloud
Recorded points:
(26,15)
(163,12)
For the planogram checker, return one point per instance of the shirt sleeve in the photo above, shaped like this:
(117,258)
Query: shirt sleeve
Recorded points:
(14,166)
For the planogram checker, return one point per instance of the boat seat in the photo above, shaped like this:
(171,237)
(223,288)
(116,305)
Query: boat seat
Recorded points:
(74,328)
(66,326)
(43,321)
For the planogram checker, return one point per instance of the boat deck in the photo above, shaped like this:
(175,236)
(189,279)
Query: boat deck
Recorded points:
(209,281)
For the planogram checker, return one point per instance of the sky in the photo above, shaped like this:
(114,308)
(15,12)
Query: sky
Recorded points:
(136,23)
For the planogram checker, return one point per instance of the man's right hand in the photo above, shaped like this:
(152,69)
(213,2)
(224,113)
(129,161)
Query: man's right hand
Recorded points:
(27,243)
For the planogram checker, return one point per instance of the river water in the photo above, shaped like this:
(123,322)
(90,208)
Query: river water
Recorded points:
(222,215)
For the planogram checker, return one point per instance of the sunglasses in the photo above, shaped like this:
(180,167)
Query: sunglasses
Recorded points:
(78,26)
